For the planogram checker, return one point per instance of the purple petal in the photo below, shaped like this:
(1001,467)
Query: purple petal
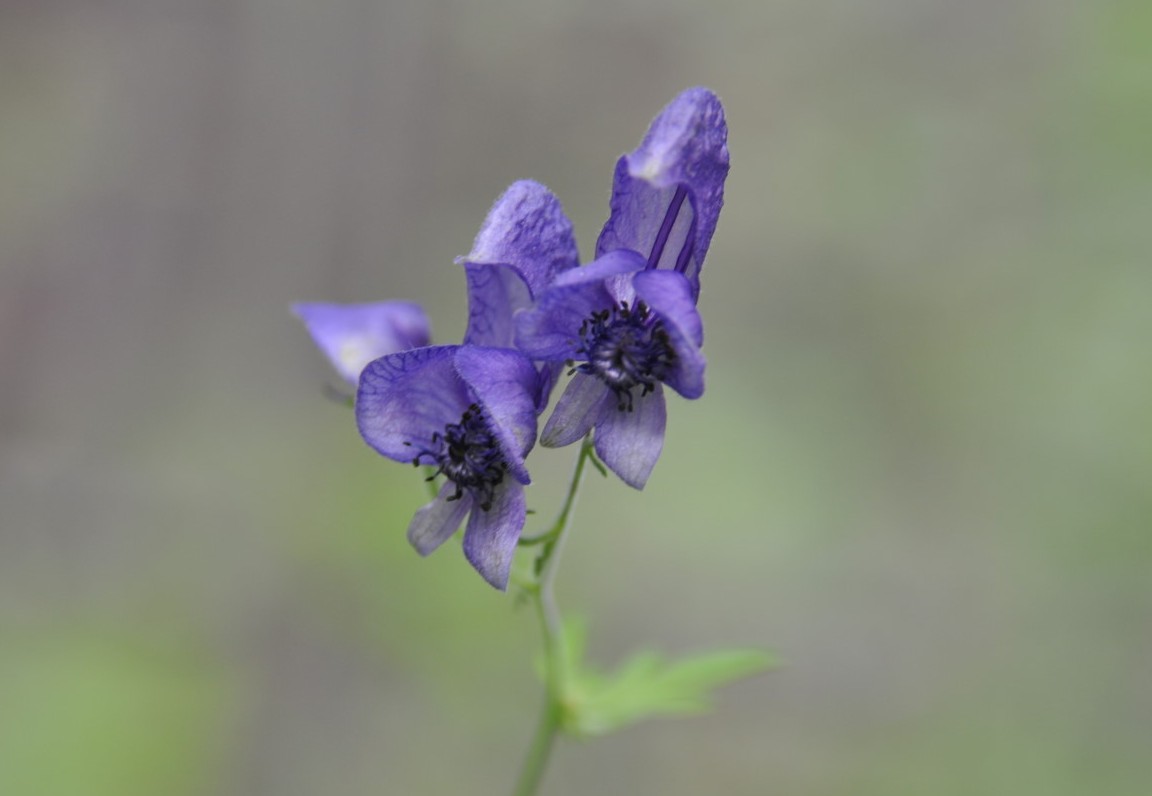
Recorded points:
(667,194)
(405,398)
(614,263)
(495,292)
(504,384)
(525,243)
(670,296)
(352,335)
(577,411)
(528,230)
(629,443)
(551,329)
(491,536)
(549,375)
(435,523)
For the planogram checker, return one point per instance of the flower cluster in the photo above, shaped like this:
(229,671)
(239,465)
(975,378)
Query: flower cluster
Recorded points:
(622,327)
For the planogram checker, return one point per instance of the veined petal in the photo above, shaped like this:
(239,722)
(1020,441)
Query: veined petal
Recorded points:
(525,243)
(629,443)
(551,329)
(669,295)
(491,536)
(667,194)
(435,523)
(527,230)
(352,335)
(405,398)
(578,410)
(504,384)
(495,292)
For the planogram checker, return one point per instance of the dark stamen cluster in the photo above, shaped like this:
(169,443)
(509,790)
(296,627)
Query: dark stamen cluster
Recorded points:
(626,346)
(468,455)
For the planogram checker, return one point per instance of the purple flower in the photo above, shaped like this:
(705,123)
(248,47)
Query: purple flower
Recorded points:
(352,335)
(470,412)
(525,243)
(629,318)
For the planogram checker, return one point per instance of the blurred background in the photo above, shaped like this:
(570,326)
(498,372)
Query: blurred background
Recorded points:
(920,474)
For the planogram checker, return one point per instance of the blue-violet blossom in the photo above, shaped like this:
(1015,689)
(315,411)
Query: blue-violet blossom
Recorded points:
(470,412)
(629,318)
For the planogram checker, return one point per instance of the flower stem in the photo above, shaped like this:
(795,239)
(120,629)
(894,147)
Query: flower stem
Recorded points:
(552,631)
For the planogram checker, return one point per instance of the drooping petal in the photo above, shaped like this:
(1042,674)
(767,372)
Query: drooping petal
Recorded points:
(525,242)
(504,384)
(352,335)
(669,296)
(667,194)
(629,443)
(577,411)
(551,329)
(435,523)
(491,536)
(405,398)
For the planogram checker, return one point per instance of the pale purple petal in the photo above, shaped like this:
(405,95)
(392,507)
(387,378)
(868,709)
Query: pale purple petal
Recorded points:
(495,292)
(551,329)
(404,398)
(668,294)
(614,263)
(352,335)
(504,384)
(668,193)
(435,523)
(525,243)
(491,536)
(629,443)
(577,411)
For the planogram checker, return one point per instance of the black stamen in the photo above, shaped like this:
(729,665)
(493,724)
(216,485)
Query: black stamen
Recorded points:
(626,346)
(468,455)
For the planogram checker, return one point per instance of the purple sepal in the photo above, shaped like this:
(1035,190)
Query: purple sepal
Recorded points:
(435,523)
(629,443)
(667,194)
(669,295)
(504,383)
(580,407)
(405,398)
(491,536)
(525,243)
(352,335)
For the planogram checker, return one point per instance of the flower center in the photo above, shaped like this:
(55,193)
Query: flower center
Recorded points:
(468,455)
(626,346)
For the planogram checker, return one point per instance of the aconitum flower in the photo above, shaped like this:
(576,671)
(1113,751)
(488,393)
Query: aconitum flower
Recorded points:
(469,412)
(352,335)
(628,320)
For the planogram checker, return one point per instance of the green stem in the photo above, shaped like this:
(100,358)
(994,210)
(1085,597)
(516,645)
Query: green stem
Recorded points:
(552,632)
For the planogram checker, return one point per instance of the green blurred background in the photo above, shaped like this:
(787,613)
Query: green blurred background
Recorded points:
(921,473)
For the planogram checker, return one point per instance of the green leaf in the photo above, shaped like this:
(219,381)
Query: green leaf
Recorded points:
(646,686)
